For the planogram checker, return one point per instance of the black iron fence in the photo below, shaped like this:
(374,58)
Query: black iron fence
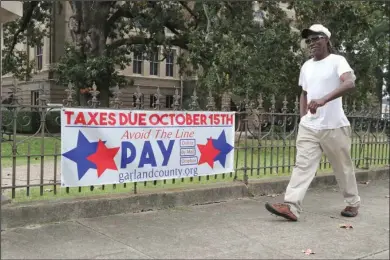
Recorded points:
(264,142)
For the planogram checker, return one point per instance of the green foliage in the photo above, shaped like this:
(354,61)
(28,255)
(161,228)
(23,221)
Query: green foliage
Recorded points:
(223,45)
(235,53)
(83,71)
(30,30)
(358,33)
(53,122)
(29,122)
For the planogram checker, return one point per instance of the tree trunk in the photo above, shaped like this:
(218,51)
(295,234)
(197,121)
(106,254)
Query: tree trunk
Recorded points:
(82,99)
(379,83)
(104,96)
(87,28)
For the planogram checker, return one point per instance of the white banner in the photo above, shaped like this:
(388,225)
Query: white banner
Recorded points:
(116,146)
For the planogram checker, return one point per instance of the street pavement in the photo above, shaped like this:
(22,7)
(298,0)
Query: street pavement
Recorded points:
(239,229)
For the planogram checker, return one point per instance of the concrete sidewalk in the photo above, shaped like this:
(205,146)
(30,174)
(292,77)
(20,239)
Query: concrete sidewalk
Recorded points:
(233,229)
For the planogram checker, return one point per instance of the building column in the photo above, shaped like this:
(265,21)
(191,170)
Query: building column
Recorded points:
(161,65)
(46,52)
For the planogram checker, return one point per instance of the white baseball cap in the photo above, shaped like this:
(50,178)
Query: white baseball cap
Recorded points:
(316,28)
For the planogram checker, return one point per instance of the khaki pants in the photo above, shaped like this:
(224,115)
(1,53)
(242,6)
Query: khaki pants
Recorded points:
(336,144)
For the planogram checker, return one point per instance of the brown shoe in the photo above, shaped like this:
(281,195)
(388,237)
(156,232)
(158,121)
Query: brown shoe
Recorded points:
(282,210)
(350,212)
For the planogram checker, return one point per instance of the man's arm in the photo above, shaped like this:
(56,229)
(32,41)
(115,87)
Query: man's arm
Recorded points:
(303,103)
(347,85)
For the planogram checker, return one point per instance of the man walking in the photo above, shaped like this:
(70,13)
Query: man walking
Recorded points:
(325,78)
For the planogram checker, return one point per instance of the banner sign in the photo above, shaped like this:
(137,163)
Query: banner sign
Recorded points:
(116,146)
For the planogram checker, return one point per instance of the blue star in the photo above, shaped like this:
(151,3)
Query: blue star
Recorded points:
(223,147)
(80,153)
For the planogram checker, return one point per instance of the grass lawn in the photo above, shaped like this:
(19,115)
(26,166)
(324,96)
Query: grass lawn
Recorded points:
(29,148)
(266,159)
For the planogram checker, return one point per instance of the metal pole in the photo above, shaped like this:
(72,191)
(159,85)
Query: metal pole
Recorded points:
(181,85)
(1,109)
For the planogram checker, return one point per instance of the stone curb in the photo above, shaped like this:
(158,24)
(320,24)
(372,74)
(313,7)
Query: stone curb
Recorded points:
(278,186)
(40,212)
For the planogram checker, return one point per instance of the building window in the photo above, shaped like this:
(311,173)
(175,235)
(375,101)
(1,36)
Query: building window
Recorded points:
(34,97)
(39,54)
(137,63)
(169,101)
(169,61)
(153,101)
(154,63)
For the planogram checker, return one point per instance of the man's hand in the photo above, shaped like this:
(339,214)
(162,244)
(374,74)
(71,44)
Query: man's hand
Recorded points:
(314,104)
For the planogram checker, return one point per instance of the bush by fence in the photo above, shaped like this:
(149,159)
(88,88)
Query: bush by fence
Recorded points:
(29,122)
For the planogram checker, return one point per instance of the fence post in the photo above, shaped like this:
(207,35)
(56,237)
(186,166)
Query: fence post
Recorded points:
(194,104)
(156,104)
(42,101)
(366,163)
(139,104)
(210,102)
(94,102)
(15,101)
(116,102)
(246,108)
(176,98)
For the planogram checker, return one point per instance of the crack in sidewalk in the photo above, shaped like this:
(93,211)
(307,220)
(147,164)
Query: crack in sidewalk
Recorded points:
(113,239)
(372,254)
(257,241)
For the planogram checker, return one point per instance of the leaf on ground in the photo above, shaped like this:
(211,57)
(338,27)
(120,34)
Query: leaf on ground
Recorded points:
(365,182)
(308,252)
(272,195)
(346,226)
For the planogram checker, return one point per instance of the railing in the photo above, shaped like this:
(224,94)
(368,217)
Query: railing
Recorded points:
(264,142)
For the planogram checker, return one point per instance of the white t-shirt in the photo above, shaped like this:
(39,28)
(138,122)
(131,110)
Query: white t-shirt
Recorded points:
(319,78)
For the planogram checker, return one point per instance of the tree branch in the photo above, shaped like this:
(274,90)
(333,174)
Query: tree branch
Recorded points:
(167,24)
(193,14)
(76,9)
(171,27)
(208,28)
(134,40)
(118,14)
(139,40)
(121,12)
(24,22)
(229,6)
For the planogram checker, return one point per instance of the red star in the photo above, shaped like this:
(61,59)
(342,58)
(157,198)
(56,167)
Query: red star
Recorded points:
(208,153)
(103,158)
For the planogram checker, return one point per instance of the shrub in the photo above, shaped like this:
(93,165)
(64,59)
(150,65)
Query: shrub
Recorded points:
(53,122)
(28,122)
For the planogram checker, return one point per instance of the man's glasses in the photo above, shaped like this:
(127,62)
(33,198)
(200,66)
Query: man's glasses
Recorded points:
(314,39)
